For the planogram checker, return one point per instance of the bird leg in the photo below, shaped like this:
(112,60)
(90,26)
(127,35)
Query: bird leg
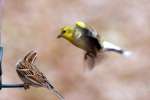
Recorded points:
(86,55)
(89,54)
(26,86)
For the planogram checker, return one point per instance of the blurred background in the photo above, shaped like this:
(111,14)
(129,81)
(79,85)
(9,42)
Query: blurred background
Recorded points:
(35,24)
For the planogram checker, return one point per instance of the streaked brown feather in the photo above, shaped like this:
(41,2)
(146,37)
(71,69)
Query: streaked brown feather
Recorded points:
(31,75)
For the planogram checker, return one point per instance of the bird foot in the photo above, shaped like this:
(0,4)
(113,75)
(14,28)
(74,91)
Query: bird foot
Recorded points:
(26,86)
(89,55)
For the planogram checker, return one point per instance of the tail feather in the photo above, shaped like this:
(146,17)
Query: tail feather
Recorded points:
(55,92)
(107,46)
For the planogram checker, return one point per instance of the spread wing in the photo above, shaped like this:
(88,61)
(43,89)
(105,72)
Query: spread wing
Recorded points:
(28,72)
(30,57)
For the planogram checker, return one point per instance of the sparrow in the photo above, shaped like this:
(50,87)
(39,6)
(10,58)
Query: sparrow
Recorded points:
(32,76)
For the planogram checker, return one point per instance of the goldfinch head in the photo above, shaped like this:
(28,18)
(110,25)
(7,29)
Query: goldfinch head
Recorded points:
(67,33)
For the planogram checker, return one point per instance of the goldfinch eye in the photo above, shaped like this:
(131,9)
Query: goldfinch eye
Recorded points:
(63,31)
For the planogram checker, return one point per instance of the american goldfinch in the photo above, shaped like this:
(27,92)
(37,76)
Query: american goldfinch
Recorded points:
(85,37)
(31,76)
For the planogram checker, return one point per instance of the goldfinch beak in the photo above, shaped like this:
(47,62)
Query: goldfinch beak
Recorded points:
(59,36)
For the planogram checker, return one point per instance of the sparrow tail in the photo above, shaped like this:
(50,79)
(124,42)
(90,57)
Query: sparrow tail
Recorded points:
(55,92)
